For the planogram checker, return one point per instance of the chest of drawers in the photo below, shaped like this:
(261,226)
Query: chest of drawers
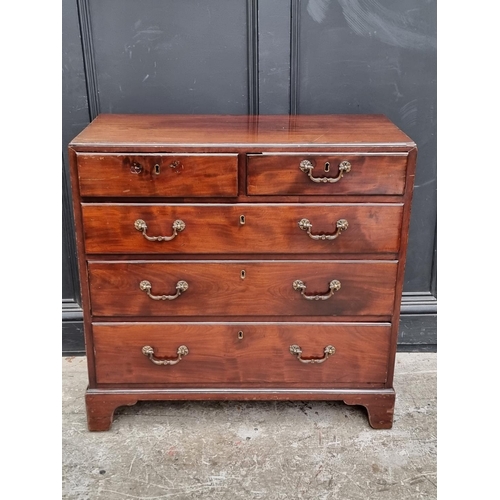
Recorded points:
(241,257)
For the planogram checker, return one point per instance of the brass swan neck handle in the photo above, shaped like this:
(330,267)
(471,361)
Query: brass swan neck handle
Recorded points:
(177,227)
(146,286)
(306,225)
(328,351)
(307,167)
(148,351)
(300,286)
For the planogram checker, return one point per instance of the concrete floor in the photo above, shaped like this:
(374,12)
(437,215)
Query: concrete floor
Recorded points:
(253,450)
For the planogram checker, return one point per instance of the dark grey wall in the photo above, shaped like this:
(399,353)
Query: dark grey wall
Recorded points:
(75,116)
(268,57)
(170,57)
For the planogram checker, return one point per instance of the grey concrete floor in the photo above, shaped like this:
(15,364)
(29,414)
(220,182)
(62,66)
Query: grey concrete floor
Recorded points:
(253,450)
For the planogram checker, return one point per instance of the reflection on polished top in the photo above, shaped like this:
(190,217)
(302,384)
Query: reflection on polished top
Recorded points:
(234,130)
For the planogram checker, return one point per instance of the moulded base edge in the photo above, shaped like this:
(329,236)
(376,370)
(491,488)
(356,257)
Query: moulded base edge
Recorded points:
(102,403)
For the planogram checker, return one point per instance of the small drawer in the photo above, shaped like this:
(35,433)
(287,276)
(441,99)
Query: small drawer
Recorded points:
(242,229)
(242,288)
(160,175)
(242,354)
(326,174)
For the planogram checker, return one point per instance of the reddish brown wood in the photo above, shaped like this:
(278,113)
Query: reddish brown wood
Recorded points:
(211,131)
(379,403)
(164,175)
(218,229)
(101,408)
(216,288)
(278,174)
(235,319)
(380,408)
(232,166)
(82,267)
(405,230)
(218,357)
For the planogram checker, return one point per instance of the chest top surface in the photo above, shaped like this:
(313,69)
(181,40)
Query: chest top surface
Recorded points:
(315,131)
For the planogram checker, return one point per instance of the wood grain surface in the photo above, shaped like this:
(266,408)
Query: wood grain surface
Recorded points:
(217,288)
(190,131)
(278,174)
(220,229)
(235,182)
(160,175)
(219,358)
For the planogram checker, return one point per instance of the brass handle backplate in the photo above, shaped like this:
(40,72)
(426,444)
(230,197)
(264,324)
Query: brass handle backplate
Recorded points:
(306,225)
(146,286)
(301,287)
(177,226)
(307,167)
(148,351)
(328,351)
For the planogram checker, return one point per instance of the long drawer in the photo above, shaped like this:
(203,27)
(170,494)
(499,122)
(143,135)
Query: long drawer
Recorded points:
(326,174)
(243,228)
(158,175)
(240,288)
(243,355)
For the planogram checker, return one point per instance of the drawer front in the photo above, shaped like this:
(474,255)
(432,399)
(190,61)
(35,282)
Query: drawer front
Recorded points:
(161,175)
(256,288)
(275,174)
(242,229)
(218,356)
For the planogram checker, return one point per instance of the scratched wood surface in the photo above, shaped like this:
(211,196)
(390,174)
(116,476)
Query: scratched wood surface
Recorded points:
(158,175)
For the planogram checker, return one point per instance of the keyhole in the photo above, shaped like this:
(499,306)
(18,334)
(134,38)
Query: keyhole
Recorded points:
(157,169)
(240,335)
(242,219)
(243,274)
(327,166)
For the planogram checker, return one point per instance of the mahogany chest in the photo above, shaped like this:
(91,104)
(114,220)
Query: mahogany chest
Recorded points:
(241,257)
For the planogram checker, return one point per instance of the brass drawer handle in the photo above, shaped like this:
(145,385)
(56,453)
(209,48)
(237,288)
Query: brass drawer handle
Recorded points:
(148,351)
(177,226)
(300,286)
(306,225)
(328,351)
(307,167)
(181,286)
